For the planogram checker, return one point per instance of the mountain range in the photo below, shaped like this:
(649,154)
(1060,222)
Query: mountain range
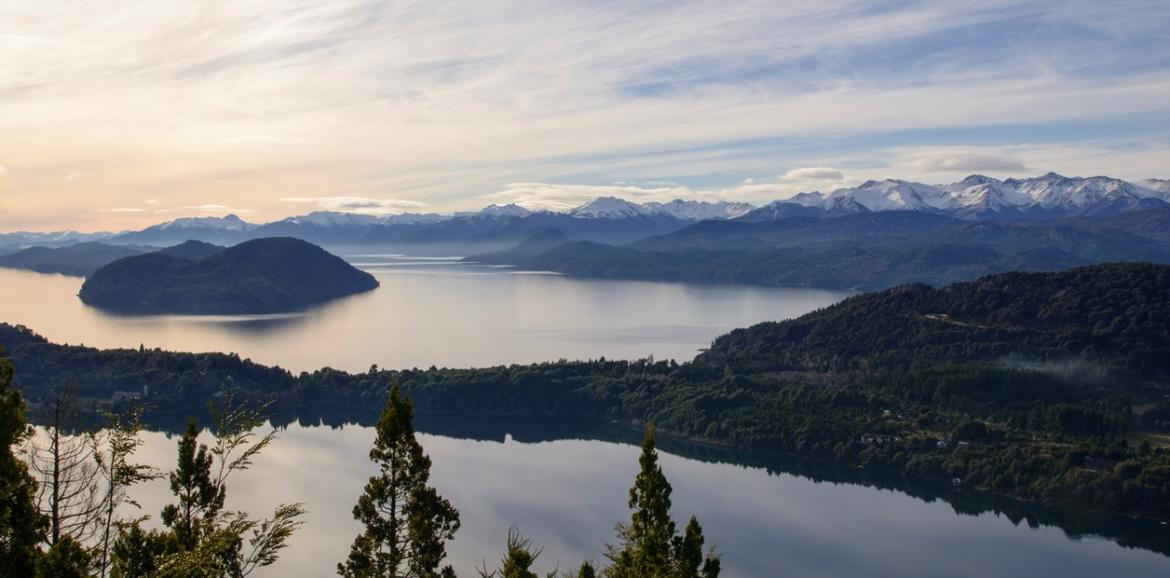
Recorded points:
(617,221)
(871,236)
(978,197)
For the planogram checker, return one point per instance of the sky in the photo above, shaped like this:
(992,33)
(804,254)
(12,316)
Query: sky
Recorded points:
(117,114)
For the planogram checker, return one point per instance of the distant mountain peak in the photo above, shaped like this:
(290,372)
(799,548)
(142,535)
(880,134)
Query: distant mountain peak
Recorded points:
(333,219)
(229,222)
(609,207)
(508,210)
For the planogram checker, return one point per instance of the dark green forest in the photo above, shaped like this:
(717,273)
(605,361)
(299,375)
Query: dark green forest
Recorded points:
(1030,385)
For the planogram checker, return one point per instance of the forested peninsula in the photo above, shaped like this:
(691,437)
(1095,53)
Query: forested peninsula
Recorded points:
(1049,387)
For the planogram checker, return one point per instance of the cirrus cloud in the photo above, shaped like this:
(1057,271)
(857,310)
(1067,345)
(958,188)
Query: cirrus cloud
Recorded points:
(351,204)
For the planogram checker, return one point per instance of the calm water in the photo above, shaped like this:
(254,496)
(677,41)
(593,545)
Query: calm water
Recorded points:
(429,312)
(565,485)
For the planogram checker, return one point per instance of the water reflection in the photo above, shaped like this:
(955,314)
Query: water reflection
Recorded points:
(436,313)
(564,482)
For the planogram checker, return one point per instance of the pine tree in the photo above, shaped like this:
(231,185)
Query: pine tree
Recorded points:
(203,540)
(21,525)
(688,551)
(645,549)
(200,499)
(407,523)
(65,559)
(648,546)
(518,560)
(689,561)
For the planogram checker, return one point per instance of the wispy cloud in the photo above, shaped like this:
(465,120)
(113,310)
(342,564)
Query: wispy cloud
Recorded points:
(262,100)
(365,205)
(950,161)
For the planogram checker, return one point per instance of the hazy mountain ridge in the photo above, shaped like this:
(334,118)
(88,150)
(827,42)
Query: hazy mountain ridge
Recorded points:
(862,250)
(974,198)
(77,260)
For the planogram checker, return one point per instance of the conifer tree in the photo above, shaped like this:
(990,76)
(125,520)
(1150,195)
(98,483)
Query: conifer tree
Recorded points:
(65,559)
(648,546)
(688,554)
(203,540)
(21,525)
(407,523)
(645,548)
(200,499)
(518,560)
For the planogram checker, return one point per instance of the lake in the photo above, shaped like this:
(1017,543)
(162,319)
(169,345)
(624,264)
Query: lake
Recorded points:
(430,312)
(565,484)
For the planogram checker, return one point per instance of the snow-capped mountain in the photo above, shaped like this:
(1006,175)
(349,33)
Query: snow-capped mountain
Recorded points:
(414,219)
(784,209)
(225,223)
(219,230)
(887,195)
(978,196)
(609,208)
(509,210)
(615,208)
(700,210)
(332,219)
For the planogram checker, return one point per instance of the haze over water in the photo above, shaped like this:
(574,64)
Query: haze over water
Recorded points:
(430,312)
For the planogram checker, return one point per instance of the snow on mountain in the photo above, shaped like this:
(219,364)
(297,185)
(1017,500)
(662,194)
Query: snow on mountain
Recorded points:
(414,219)
(225,223)
(609,208)
(509,210)
(700,210)
(979,196)
(1055,191)
(887,195)
(329,219)
(782,209)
